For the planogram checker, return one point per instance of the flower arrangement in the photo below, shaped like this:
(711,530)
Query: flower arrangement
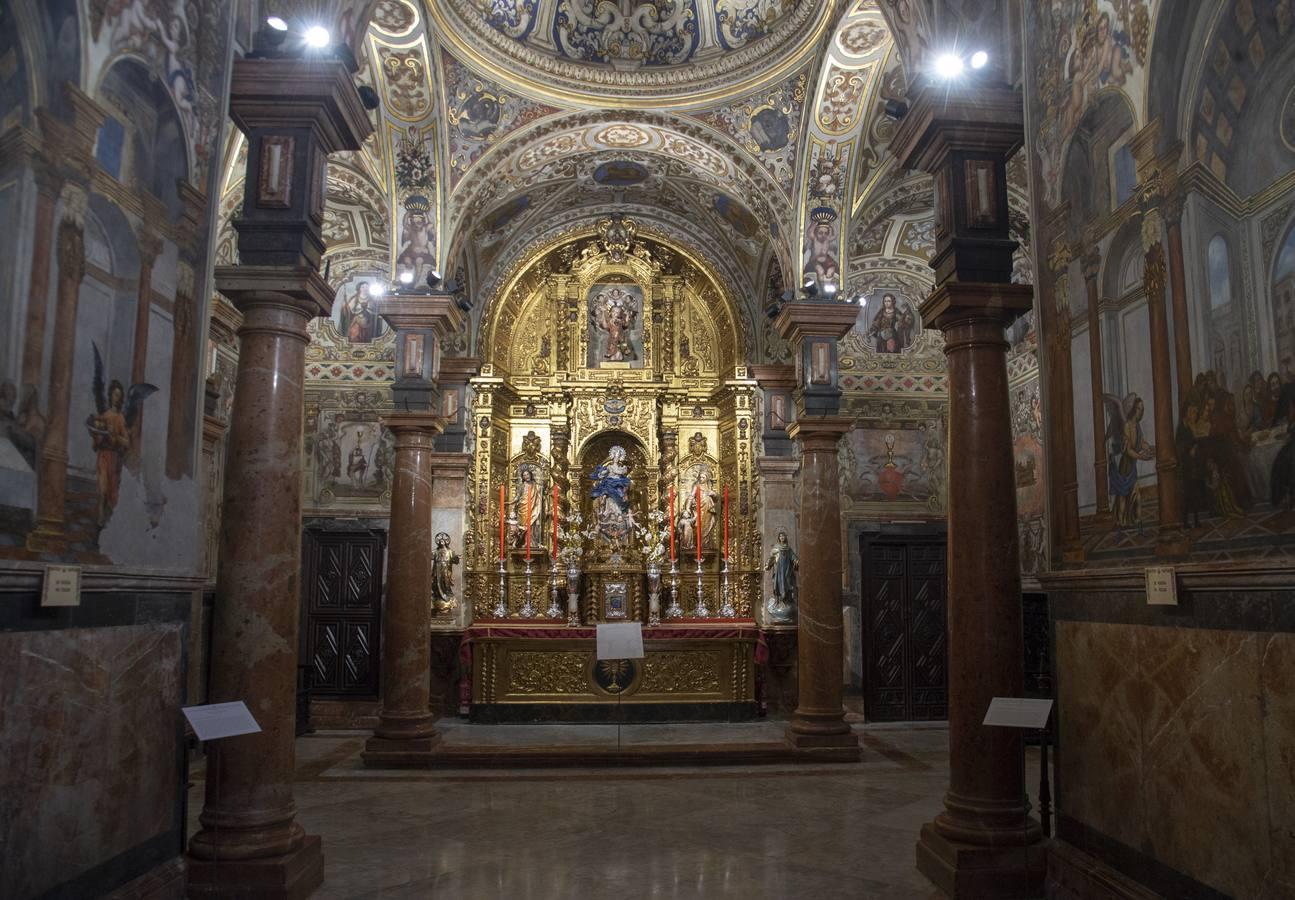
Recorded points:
(653,538)
(572,538)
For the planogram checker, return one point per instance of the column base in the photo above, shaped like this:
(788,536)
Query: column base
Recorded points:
(813,738)
(1172,542)
(399,753)
(973,871)
(46,539)
(293,876)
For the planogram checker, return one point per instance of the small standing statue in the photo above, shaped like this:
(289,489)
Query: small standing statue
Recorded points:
(781,607)
(443,561)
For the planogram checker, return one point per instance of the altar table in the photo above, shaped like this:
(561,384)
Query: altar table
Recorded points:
(544,673)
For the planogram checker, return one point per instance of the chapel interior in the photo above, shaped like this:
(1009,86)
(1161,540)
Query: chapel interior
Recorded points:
(647,448)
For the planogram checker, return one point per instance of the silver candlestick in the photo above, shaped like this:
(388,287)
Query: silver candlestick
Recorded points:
(726,609)
(554,611)
(528,608)
(674,610)
(701,611)
(501,605)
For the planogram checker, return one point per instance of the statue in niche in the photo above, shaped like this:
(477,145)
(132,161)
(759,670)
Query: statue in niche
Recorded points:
(613,518)
(443,562)
(695,473)
(615,327)
(528,500)
(783,564)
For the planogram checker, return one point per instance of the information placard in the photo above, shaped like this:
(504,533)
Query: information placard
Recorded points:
(220,720)
(620,640)
(62,586)
(1018,712)
(1162,586)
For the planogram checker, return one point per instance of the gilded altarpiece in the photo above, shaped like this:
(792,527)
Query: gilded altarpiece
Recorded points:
(611,375)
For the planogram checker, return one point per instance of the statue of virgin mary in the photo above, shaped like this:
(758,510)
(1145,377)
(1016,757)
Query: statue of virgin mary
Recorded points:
(611,484)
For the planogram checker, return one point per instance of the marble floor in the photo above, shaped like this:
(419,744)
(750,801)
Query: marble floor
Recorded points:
(772,831)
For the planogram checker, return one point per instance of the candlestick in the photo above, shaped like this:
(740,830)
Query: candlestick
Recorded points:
(726,609)
(726,525)
(701,611)
(674,610)
(501,605)
(555,525)
(554,611)
(527,526)
(501,524)
(672,524)
(696,525)
(528,608)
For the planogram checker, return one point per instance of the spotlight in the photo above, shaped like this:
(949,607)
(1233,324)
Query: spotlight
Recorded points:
(276,23)
(829,290)
(463,303)
(406,277)
(318,37)
(450,286)
(378,290)
(857,300)
(368,96)
(948,66)
(978,59)
(809,287)
(896,109)
(772,308)
(433,279)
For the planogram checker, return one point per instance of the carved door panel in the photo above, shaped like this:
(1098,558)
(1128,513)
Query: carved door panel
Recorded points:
(343,611)
(905,643)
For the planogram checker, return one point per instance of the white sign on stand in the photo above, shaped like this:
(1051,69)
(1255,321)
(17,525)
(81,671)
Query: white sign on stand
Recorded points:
(1018,712)
(620,640)
(220,720)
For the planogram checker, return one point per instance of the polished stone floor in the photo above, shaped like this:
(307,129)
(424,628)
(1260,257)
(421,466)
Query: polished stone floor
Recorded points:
(774,831)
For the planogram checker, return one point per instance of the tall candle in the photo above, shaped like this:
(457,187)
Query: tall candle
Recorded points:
(528,523)
(555,524)
(501,523)
(696,521)
(672,557)
(726,523)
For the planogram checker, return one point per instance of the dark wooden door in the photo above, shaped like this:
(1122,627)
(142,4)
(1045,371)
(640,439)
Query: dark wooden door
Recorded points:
(905,642)
(343,612)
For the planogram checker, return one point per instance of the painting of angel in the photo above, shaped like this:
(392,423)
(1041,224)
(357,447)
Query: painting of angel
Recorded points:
(110,428)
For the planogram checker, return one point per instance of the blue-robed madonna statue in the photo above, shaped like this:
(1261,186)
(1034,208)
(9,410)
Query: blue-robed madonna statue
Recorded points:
(611,498)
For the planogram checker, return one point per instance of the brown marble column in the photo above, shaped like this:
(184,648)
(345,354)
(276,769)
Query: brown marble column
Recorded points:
(818,725)
(48,535)
(405,732)
(150,247)
(983,844)
(1173,213)
(819,719)
(248,814)
(1092,263)
(294,113)
(48,184)
(1064,484)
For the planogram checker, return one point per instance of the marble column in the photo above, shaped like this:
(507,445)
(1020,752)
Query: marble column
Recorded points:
(984,844)
(818,725)
(1092,266)
(406,732)
(48,184)
(819,719)
(1064,485)
(48,534)
(249,843)
(1171,540)
(1173,213)
(294,113)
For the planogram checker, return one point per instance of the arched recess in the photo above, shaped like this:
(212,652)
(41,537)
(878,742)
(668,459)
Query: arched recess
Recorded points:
(699,318)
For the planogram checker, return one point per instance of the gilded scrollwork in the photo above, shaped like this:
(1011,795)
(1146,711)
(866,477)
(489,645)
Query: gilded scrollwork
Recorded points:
(682,672)
(548,672)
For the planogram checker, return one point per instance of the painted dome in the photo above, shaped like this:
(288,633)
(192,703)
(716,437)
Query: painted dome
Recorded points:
(671,50)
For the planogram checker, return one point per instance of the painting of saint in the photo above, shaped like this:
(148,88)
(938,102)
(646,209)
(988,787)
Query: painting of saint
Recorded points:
(613,519)
(615,325)
(353,314)
(417,250)
(1125,447)
(692,516)
(770,129)
(820,250)
(891,323)
(110,428)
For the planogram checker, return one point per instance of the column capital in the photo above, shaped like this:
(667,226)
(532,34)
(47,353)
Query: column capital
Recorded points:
(819,433)
(421,312)
(1092,264)
(250,286)
(413,423)
(809,318)
(975,117)
(955,303)
(150,244)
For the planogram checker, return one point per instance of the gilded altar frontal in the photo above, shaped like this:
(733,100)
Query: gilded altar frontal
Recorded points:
(851,440)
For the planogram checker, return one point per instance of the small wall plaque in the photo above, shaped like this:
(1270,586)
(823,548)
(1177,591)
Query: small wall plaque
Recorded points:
(62,586)
(1162,586)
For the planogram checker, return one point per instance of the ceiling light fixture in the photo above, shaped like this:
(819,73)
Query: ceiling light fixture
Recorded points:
(318,37)
(406,277)
(979,59)
(276,23)
(948,66)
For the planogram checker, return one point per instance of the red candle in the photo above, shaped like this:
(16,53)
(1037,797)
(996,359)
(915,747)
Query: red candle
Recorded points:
(528,523)
(672,557)
(726,523)
(501,523)
(555,524)
(696,520)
